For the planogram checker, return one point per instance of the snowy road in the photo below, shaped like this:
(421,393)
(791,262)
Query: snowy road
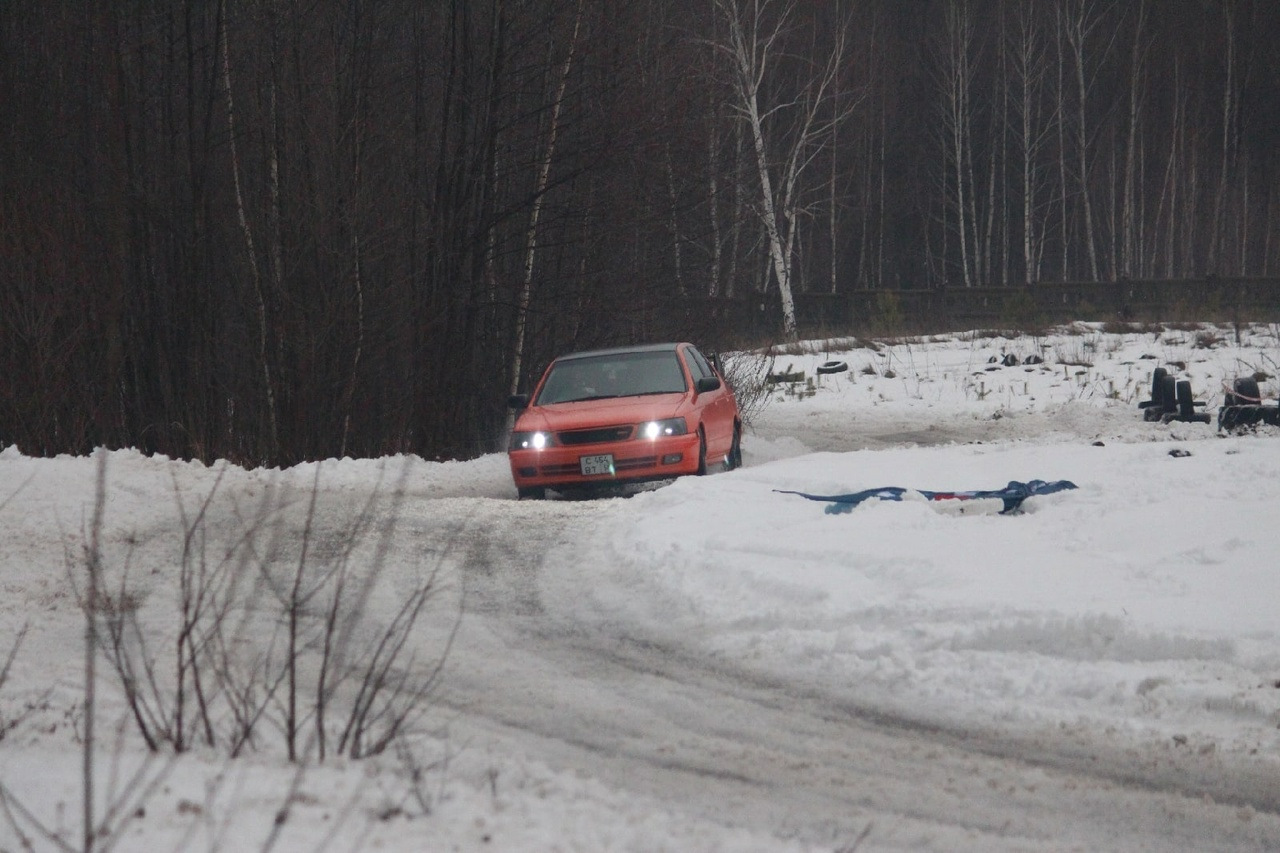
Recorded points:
(728,746)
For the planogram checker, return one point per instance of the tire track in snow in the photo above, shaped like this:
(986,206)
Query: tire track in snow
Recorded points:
(783,758)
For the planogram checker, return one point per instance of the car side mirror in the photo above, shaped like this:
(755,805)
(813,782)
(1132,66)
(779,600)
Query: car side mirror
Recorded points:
(518,401)
(706,383)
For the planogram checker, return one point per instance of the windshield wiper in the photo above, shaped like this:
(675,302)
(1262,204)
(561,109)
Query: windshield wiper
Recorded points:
(589,399)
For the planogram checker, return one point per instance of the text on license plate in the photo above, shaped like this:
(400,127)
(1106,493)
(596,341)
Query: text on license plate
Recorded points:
(602,464)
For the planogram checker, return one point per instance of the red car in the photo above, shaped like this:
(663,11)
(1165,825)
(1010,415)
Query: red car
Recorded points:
(623,415)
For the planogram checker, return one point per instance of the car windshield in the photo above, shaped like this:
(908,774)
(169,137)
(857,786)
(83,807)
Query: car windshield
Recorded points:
(624,374)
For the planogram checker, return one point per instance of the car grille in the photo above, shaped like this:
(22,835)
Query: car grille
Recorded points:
(619,466)
(596,436)
(632,464)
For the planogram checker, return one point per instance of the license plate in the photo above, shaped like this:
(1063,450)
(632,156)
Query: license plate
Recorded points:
(592,465)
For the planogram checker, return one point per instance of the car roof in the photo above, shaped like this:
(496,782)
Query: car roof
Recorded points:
(665,347)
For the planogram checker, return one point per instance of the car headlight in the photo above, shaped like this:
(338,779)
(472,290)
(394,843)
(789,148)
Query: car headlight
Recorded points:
(664,428)
(530,440)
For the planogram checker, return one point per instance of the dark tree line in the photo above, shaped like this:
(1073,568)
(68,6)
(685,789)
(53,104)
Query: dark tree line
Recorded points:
(276,230)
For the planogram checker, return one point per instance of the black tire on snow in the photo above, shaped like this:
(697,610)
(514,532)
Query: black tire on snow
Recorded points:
(1168,393)
(1186,406)
(1156,378)
(832,367)
(1247,389)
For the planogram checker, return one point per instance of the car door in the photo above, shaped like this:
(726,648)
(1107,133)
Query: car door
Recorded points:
(717,405)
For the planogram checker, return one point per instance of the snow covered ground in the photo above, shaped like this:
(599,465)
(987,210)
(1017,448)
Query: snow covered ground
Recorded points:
(1137,610)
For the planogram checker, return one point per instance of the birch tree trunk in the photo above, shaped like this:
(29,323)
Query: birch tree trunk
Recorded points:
(751,44)
(1000,127)
(1060,94)
(246,230)
(956,84)
(751,55)
(1028,61)
(1079,21)
(531,232)
(1129,249)
(1216,238)
(1167,210)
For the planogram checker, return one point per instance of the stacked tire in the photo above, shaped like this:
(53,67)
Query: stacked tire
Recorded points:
(1245,392)
(1163,395)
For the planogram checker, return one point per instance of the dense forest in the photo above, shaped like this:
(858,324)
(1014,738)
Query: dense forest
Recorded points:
(280,230)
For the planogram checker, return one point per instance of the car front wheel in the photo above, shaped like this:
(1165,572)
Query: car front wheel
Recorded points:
(702,452)
(733,459)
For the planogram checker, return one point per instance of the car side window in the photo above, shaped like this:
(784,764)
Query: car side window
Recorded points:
(698,364)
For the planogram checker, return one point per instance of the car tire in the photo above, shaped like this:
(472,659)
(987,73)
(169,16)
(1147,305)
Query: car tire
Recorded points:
(534,493)
(1186,406)
(733,459)
(1156,379)
(702,452)
(1168,393)
(832,367)
(1248,391)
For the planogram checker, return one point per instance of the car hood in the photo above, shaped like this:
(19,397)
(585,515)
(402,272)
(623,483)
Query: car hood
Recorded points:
(618,410)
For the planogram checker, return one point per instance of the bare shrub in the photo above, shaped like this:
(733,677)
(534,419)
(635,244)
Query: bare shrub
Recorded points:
(10,720)
(1082,353)
(1208,339)
(747,373)
(990,334)
(274,632)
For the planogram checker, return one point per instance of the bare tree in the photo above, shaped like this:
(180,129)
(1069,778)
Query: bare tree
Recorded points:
(840,106)
(1080,20)
(1028,63)
(956,84)
(1130,239)
(1166,216)
(246,229)
(787,128)
(1229,144)
(546,158)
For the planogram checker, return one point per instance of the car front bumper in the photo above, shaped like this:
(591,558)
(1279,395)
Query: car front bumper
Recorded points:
(632,461)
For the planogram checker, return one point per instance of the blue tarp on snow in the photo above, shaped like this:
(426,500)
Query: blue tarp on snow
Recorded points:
(1011,495)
